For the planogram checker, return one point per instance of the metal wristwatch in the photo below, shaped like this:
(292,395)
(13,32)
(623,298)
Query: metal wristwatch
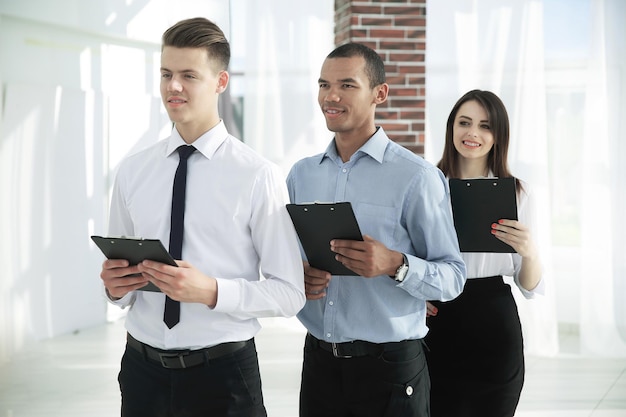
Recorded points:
(402,270)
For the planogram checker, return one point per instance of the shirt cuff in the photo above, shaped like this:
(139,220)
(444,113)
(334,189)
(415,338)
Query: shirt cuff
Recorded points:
(227,295)
(540,289)
(123,302)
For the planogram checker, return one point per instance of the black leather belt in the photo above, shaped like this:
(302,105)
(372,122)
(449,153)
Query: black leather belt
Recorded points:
(356,348)
(179,359)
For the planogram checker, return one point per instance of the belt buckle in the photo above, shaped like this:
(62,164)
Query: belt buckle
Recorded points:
(336,353)
(181,357)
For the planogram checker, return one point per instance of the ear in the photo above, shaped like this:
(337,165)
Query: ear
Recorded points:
(222,81)
(381,91)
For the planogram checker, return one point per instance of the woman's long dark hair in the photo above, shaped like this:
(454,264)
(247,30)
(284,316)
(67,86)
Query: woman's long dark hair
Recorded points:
(499,123)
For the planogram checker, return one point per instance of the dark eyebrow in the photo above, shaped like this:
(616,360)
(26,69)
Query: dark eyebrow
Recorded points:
(186,71)
(469,118)
(345,80)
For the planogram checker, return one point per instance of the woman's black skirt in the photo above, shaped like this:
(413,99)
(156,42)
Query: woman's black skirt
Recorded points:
(475,352)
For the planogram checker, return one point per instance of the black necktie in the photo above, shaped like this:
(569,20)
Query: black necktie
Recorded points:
(171,315)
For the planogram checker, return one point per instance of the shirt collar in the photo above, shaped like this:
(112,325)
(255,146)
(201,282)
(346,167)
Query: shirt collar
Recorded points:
(206,144)
(375,147)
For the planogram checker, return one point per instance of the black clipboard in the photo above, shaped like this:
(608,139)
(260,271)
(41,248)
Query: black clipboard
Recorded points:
(317,224)
(135,251)
(476,204)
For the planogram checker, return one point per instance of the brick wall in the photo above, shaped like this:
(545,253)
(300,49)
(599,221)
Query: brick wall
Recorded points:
(397,31)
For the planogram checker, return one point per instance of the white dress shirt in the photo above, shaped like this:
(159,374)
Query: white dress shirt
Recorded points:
(236,229)
(480,265)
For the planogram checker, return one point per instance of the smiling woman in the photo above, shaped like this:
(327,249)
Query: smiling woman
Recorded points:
(557,64)
(487,378)
(473,139)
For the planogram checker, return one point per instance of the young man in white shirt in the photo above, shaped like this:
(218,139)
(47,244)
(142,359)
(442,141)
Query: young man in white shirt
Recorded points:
(235,225)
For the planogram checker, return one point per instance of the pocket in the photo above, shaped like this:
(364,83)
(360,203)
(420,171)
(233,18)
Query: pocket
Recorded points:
(380,222)
(250,377)
(407,355)
(410,398)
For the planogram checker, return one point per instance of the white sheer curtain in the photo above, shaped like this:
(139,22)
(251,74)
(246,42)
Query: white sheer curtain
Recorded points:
(285,45)
(603,304)
(499,45)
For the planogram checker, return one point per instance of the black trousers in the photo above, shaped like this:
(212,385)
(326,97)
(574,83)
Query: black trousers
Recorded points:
(227,386)
(392,383)
(475,356)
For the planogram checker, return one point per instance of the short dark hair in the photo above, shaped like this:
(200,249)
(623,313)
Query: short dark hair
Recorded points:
(199,32)
(374,66)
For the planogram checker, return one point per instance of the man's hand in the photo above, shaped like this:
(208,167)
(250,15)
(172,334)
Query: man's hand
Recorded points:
(368,258)
(120,279)
(315,282)
(183,283)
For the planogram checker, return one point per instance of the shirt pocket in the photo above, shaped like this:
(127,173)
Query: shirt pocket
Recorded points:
(380,222)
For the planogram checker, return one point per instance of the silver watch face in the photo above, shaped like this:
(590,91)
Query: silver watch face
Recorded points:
(401,273)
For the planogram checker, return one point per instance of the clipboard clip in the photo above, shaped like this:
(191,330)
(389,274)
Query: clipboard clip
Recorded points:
(495,184)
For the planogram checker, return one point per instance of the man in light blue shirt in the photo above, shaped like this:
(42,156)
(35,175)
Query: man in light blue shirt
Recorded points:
(363,351)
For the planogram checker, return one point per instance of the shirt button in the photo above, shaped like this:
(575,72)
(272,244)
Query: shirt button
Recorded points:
(344,170)
(328,335)
(330,303)
(409,390)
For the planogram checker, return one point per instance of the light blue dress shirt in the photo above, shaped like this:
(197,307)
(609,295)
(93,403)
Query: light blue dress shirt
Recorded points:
(402,201)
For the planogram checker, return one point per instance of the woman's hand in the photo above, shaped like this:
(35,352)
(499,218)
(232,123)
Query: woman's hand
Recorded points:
(431,310)
(516,235)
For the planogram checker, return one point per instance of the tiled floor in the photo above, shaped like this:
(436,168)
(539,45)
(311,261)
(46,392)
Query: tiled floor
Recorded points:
(75,376)
(571,385)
